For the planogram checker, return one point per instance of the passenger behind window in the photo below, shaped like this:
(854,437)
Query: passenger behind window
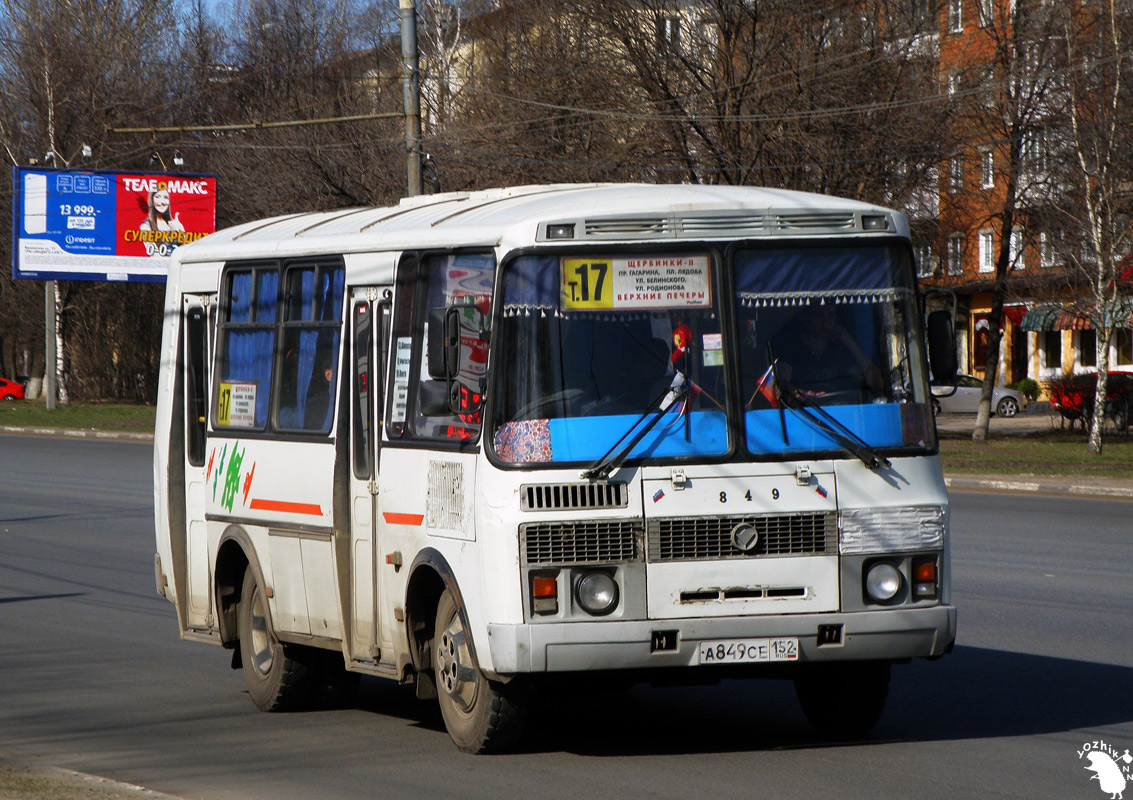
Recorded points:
(316,413)
(289,392)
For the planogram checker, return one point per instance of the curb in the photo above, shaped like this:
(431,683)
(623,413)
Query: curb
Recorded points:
(79,433)
(1035,485)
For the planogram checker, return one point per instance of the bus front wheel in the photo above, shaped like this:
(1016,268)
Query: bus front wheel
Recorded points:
(277,680)
(481,716)
(843,698)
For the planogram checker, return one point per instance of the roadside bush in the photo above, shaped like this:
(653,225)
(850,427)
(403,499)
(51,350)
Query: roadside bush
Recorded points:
(1028,386)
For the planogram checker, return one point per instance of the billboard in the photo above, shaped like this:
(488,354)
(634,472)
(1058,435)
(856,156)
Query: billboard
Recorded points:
(94,225)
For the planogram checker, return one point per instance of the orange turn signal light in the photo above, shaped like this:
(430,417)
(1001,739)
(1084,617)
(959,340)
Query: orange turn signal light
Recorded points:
(924,572)
(544,587)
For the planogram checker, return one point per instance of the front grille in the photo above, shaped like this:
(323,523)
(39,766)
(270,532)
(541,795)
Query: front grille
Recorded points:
(572,496)
(583,542)
(689,538)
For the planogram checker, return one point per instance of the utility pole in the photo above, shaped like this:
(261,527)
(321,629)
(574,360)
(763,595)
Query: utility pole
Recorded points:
(411,86)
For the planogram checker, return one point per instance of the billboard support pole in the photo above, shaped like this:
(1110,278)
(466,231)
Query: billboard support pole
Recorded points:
(50,376)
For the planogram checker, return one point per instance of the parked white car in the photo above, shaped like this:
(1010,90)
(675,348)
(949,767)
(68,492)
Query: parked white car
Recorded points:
(966,398)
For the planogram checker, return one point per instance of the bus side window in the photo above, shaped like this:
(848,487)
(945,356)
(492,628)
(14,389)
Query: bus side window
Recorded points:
(309,362)
(247,338)
(196,384)
(448,280)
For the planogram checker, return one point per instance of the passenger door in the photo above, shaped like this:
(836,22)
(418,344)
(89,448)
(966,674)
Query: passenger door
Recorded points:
(369,337)
(197,366)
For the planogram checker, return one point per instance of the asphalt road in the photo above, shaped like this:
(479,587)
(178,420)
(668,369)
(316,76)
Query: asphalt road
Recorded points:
(93,677)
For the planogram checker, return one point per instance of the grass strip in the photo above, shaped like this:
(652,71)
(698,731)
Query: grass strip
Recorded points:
(1041,453)
(117,417)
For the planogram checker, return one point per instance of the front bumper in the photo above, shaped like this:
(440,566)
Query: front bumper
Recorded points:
(894,634)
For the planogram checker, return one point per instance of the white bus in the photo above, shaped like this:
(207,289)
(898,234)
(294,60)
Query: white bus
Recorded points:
(477,442)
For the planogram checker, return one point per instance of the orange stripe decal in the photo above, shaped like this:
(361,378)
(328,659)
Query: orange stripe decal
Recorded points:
(403,519)
(311,509)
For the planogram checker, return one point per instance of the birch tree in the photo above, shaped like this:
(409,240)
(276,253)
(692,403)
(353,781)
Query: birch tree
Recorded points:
(1098,173)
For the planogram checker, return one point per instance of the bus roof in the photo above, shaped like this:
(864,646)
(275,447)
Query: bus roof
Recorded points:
(520,216)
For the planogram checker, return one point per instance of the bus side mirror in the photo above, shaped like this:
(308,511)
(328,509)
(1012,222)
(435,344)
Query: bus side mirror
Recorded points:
(444,343)
(450,342)
(942,347)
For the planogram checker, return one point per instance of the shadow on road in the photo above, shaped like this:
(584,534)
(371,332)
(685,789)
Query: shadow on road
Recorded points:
(31,597)
(975,693)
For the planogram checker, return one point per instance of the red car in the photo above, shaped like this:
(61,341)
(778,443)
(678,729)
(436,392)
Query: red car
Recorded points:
(10,390)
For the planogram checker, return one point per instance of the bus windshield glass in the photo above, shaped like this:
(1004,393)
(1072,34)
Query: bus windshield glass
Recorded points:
(828,349)
(624,356)
(601,350)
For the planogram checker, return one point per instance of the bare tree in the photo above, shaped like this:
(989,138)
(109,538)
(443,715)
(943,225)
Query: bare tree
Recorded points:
(1098,172)
(68,70)
(833,98)
(1003,99)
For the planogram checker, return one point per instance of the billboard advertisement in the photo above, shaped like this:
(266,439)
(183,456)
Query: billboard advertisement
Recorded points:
(94,225)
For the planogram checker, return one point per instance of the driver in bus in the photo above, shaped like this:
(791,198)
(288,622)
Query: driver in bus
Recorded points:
(823,358)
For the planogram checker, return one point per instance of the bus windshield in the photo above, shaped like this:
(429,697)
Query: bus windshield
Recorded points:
(597,348)
(829,330)
(627,354)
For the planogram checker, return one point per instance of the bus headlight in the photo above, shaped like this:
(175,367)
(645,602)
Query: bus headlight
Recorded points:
(882,582)
(596,593)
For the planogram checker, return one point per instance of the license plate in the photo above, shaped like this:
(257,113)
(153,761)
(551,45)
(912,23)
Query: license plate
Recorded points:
(748,651)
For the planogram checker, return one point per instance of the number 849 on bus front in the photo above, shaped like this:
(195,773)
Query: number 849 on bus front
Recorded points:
(748,651)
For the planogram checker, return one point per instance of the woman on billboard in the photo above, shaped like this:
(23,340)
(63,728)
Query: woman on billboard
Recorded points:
(160,217)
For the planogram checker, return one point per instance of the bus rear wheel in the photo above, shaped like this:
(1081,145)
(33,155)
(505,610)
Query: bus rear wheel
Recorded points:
(481,716)
(277,679)
(843,699)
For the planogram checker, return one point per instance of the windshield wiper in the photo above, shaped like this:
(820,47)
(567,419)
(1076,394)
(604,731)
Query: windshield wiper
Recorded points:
(827,424)
(608,463)
(793,399)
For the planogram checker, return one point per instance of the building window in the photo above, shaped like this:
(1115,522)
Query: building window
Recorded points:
(926,261)
(955,254)
(956,16)
(1046,251)
(1016,245)
(953,84)
(1034,149)
(987,169)
(1123,344)
(987,252)
(1051,353)
(956,174)
(669,33)
(987,13)
(1087,348)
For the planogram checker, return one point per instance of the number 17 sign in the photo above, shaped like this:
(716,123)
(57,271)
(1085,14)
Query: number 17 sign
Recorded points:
(636,282)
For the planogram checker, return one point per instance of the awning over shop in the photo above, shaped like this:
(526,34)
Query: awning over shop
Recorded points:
(1015,313)
(1074,316)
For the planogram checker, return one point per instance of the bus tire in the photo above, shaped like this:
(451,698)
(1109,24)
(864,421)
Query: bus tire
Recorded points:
(843,699)
(277,679)
(481,716)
